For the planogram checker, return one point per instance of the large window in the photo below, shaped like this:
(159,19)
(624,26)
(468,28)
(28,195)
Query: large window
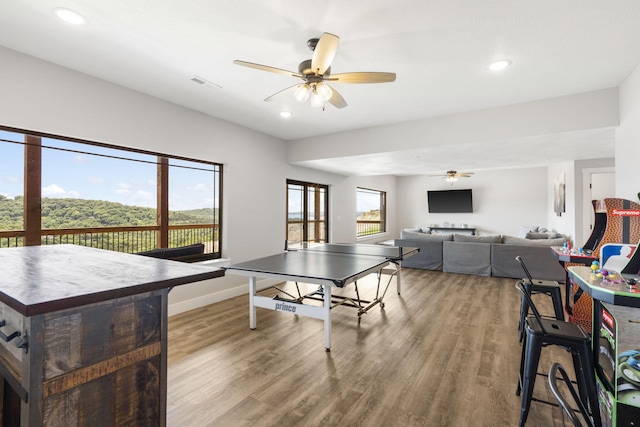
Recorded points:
(371,208)
(104,196)
(307,212)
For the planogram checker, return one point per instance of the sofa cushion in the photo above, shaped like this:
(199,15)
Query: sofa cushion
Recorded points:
(492,238)
(425,236)
(175,253)
(429,257)
(412,233)
(414,229)
(510,240)
(466,258)
(536,236)
(540,261)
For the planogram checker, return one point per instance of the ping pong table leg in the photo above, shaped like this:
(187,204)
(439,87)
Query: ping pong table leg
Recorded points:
(395,272)
(327,317)
(252,307)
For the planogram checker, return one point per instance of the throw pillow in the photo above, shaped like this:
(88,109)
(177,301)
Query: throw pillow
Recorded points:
(509,240)
(406,234)
(527,229)
(535,236)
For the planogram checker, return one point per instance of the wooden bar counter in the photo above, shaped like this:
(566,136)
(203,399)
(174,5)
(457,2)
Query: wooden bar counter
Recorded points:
(83,335)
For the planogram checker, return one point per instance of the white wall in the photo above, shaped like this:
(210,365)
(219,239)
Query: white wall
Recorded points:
(344,200)
(591,110)
(503,200)
(40,96)
(628,139)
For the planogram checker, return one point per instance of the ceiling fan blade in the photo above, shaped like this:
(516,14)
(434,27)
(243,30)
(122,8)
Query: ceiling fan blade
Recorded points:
(336,99)
(282,92)
(324,53)
(267,68)
(363,77)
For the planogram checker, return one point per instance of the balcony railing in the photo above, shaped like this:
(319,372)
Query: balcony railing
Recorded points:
(122,239)
(315,232)
(369,227)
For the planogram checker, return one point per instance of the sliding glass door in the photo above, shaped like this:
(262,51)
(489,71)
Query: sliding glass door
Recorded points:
(307,208)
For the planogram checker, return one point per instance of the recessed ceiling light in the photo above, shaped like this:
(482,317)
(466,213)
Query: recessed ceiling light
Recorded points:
(285,114)
(69,16)
(499,65)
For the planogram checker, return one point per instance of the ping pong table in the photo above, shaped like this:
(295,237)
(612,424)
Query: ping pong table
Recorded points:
(327,265)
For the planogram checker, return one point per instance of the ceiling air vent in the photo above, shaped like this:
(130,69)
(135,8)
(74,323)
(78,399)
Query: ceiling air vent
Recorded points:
(204,82)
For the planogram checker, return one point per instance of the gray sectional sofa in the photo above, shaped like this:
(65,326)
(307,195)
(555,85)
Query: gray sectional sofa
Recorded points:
(491,255)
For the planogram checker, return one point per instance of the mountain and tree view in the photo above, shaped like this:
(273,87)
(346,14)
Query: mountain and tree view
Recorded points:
(82,213)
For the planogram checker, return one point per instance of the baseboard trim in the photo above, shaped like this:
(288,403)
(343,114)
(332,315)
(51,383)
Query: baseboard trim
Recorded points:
(214,297)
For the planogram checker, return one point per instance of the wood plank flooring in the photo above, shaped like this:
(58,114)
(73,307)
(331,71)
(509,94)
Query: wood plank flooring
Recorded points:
(444,353)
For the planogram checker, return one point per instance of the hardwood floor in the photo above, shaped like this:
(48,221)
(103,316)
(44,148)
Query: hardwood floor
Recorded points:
(444,353)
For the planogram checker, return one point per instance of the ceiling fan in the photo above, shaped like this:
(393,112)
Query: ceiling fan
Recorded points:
(452,176)
(316,72)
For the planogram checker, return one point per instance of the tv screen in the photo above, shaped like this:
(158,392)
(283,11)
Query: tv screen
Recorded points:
(450,201)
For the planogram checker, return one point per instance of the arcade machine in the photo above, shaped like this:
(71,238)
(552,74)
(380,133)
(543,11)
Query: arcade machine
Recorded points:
(615,315)
(615,222)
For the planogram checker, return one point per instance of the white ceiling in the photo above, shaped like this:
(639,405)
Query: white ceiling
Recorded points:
(439,50)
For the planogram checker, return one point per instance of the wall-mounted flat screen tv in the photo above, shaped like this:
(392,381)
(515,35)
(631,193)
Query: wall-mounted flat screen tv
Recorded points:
(450,201)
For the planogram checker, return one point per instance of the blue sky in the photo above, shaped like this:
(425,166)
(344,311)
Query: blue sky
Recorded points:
(85,176)
(367,201)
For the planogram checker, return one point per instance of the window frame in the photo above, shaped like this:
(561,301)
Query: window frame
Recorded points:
(318,189)
(363,232)
(32,233)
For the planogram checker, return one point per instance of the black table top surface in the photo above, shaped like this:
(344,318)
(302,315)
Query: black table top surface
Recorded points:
(340,265)
(42,279)
(395,253)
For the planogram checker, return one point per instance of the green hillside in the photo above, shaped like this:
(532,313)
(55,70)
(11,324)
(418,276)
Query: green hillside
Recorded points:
(372,215)
(79,213)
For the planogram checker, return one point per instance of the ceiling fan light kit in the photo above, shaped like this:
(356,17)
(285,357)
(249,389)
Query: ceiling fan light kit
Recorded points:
(317,70)
(302,92)
(452,176)
(319,93)
(323,90)
(316,99)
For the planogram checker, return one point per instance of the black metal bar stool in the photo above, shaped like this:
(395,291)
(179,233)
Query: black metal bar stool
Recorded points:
(540,333)
(550,288)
